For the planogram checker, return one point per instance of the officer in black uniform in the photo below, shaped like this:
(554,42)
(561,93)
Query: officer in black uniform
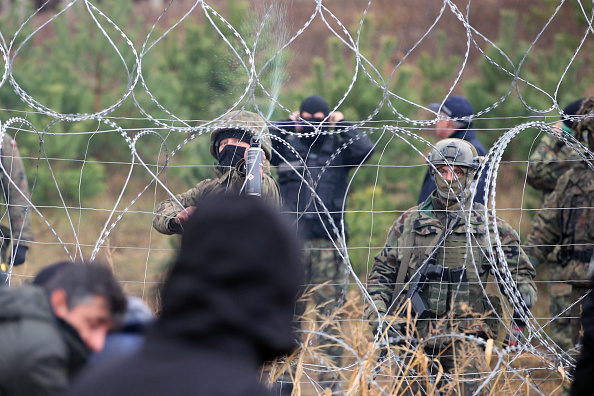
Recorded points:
(313,158)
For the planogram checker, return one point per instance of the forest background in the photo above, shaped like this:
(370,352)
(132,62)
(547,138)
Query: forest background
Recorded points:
(72,69)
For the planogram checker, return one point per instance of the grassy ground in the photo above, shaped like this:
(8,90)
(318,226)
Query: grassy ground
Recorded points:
(511,373)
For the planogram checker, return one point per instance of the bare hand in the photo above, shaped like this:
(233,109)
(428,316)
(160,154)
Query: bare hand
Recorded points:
(184,215)
(295,118)
(335,117)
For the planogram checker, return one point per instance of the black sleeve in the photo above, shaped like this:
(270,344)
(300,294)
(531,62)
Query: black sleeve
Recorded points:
(278,140)
(584,368)
(361,147)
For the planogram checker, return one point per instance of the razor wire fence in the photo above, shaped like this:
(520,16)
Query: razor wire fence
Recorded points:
(101,156)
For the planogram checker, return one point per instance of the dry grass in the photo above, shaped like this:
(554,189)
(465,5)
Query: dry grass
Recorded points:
(407,370)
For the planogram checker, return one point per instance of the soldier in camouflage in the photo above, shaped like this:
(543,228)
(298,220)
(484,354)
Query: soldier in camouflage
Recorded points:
(18,207)
(450,231)
(568,221)
(551,159)
(228,145)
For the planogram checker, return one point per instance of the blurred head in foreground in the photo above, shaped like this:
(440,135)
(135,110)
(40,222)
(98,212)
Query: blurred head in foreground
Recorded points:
(227,307)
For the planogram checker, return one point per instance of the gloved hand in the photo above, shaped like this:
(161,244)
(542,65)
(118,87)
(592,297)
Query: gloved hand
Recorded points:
(528,294)
(513,338)
(20,255)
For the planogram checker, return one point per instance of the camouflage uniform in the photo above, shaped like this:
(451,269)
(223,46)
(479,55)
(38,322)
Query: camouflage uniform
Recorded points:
(412,238)
(551,159)
(232,181)
(18,207)
(568,223)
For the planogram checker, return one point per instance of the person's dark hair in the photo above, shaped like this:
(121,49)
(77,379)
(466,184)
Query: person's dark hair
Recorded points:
(81,281)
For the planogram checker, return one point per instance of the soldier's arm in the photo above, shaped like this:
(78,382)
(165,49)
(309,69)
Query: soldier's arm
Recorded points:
(359,145)
(382,278)
(550,160)
(546,229)
(17,201)
(518,263)
(168,209)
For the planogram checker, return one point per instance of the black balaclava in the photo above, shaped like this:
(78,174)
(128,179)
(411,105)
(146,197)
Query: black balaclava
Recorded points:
(230,155)
(234,285)
(313,104)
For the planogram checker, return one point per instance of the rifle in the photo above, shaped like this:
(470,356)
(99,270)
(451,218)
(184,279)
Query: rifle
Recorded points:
(254,168)
(429,270)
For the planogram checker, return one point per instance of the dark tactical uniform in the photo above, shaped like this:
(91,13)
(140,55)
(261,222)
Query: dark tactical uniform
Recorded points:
(18,208)
(456,294)
(551,159)
(231,181)
(331,156)
(568,223)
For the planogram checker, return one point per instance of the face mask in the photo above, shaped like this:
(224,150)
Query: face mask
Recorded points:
(315,123)
(229,156)
(452,191)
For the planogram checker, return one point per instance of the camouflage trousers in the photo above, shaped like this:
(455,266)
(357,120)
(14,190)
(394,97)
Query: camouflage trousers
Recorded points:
(559,301)
(325,283)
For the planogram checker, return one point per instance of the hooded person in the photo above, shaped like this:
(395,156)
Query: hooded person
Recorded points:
(321,148)
(227,307)
(229,142)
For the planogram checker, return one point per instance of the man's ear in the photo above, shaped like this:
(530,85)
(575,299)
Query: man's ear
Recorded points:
(59,303)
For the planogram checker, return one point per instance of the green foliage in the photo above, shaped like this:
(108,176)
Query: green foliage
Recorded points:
(77,70)
(438,70)
(582,11)
(331,78)
(542,68)
(367,229)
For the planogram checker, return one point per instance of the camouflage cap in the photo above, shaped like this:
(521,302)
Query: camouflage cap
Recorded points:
(454,152)
(241,120)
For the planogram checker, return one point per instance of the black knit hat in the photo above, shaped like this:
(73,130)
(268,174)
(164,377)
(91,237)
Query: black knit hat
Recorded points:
(314,104)
(570,111)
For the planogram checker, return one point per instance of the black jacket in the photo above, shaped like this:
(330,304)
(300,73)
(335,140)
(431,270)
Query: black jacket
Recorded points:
(326,156)
(38,353)
(227,307)
(584,368)
(429,182)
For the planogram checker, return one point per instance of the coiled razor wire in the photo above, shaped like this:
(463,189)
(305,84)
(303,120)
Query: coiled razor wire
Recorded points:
(554,357)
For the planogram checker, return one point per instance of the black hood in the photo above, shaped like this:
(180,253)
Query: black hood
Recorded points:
(236,279)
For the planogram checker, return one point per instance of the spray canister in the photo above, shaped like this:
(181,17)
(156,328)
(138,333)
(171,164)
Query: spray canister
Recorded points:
(254,168)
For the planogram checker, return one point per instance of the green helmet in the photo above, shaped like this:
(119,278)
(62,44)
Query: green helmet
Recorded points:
(454,152)
(240,121)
